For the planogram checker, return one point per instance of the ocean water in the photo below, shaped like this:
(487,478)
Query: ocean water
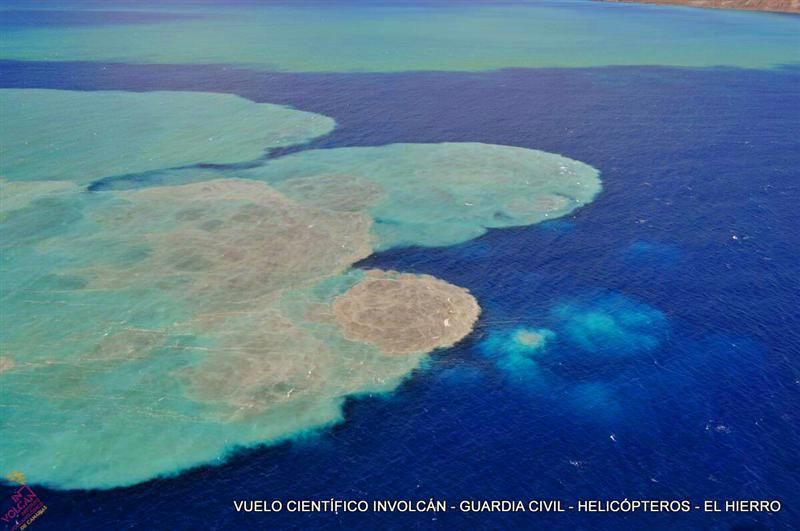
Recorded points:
(160,130)
(391,36)
(664,363)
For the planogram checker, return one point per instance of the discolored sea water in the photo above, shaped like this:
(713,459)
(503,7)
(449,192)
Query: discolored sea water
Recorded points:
(388,36)
(644,346)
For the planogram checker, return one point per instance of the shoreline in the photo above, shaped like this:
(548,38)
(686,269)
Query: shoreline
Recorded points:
(768,6)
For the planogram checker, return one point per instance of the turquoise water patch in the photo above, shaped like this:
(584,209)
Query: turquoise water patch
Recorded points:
(53,135)
(515,351)
(410,36)
(140,317)
(38,214)
(202,311)
(435,194)
(611,325)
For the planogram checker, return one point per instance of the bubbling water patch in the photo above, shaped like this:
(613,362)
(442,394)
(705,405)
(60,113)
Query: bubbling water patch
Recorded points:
(611,325)
(404,313)
(208,316)
(79,136)
(515,351)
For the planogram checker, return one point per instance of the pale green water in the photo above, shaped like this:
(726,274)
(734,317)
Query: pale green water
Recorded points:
(515,351)
(78,136)
(148,331)
(450,36)
(437,194)
(612,325)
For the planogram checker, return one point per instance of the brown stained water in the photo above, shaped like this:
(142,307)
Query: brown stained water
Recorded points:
(227,312)
(404,313)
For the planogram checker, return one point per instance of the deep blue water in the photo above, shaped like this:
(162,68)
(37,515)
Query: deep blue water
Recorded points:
(697,227)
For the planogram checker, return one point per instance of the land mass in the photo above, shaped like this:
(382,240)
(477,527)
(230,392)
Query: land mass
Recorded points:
(780,6)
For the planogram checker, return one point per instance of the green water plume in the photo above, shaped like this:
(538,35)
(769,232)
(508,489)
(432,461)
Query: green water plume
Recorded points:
(83,136)
(152,330)
(444,36)
(436,194)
